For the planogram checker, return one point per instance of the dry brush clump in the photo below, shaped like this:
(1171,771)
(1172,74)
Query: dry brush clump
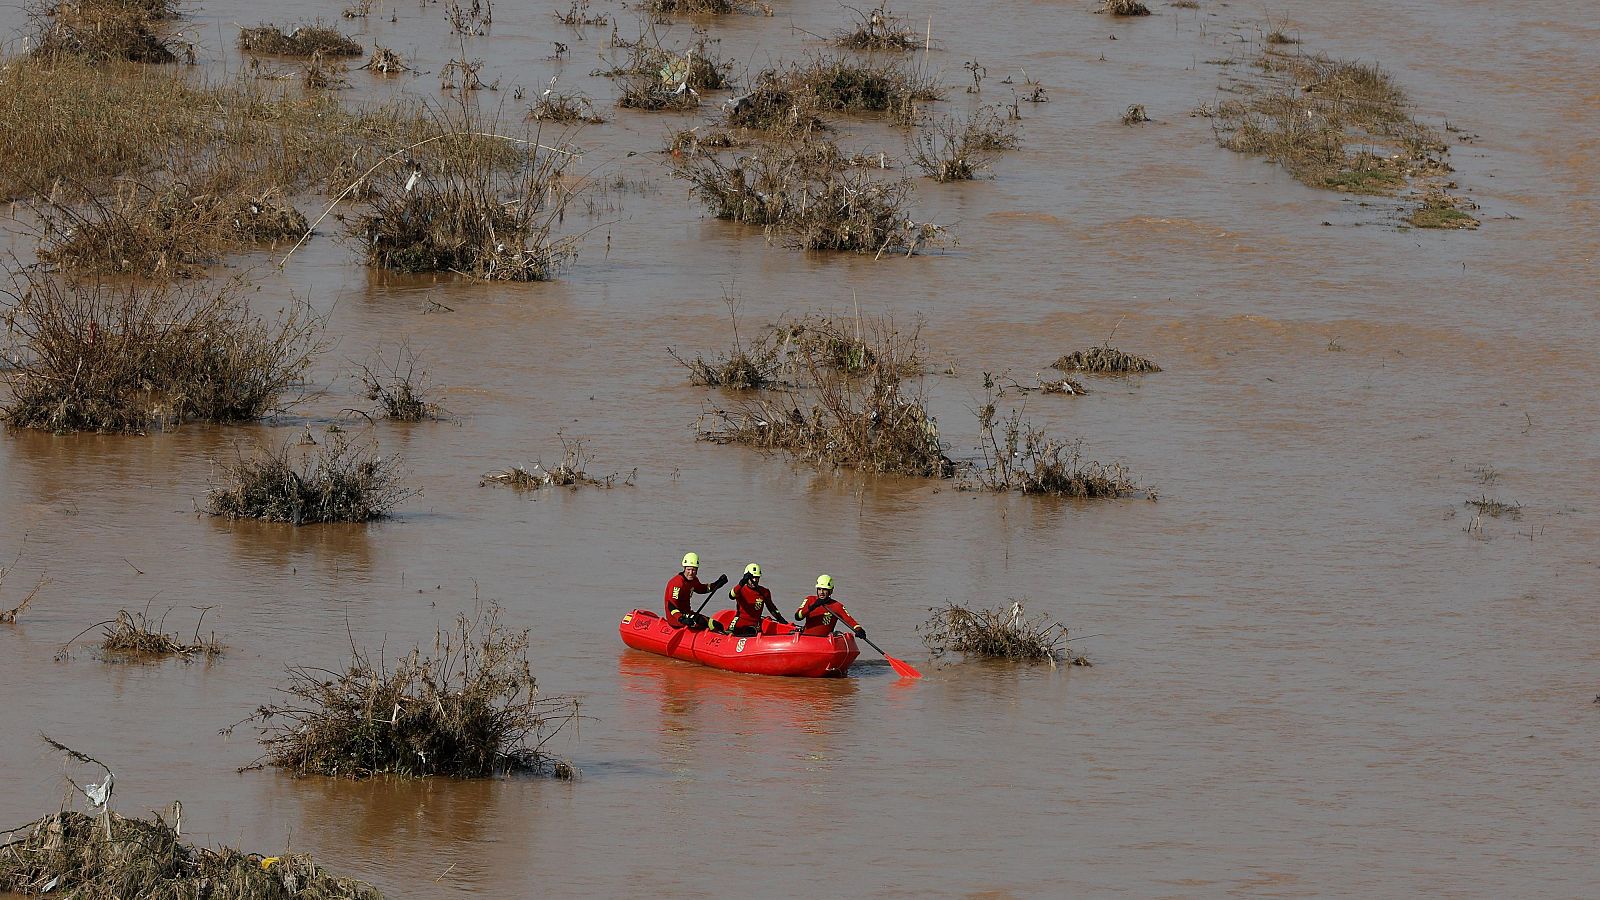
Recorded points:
(101,31)
(466,214)
(1017,456)
(1123,8)
(564,109)
(802,191)
(111,857)
(103,356)
(870,419)
(301,40)
(956,149)
(470,708)
(135,635)
(1005,632)
(790,99)
(655,77)
(703,7)
(338,482)
(1104,360)
(878,29)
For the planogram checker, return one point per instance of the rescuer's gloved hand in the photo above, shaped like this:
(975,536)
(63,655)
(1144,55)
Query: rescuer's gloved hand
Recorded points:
(861,632)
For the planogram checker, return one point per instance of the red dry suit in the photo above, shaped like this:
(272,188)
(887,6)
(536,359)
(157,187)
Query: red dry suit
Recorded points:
(750,600)
(816,616)
(679,590)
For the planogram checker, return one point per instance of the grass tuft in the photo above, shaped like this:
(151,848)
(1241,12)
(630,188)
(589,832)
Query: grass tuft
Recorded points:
(301,40)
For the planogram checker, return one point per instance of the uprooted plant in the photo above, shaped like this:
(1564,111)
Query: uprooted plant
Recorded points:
(338,482)
(471,708)
(107,856)
(398,387)
(101,356)
(866,418)
(571,472)
(1004,632)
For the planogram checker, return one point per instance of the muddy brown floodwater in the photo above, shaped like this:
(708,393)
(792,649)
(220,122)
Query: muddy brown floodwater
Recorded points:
(1314,673)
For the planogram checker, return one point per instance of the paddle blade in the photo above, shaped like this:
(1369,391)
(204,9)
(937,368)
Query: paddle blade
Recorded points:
(902,668)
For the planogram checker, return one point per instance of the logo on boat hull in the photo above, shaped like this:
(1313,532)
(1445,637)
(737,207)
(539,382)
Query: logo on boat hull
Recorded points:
(740,647)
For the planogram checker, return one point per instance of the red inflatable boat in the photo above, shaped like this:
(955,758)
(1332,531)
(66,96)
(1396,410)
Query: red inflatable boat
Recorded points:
(778,650)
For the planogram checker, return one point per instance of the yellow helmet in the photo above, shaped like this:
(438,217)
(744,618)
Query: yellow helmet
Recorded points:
(753,570)
(691,559)
(824,581)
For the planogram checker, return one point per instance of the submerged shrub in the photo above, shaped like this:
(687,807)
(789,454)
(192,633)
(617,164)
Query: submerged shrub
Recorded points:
(102,30)
(1004,632)
(952,149)
(301,40)
(1104,360)
(1024,458)
(111,857)
(878,29)
(864,419)
(398,388)
(340,482)
(470,709)
(98,356)
(134,635)
(1123,8)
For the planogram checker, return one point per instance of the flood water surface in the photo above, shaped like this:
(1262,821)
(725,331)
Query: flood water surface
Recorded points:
(1316,670)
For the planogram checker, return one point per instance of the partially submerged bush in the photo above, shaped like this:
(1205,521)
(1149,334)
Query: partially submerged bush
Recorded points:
(788,100)
(655,77)
(952,149)
(9,616)
(1135,114)
(1320,118)
(1104,360)
(102,30)
(165,231)
(703,7)
(398,388)
(865,419)
(301,40)
(1440,210)
(97,356)
(1123,8)
(339,482)
(111,857)
(471,709)
(466,216)
(1023,458)
(1004,632)
(135,635)
(798,191)
(564,108)
(879,29)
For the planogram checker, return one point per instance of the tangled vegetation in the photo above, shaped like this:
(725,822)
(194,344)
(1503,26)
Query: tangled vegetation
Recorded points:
(1021,457)
(1104,360)
(470,709)
(134,635)
(878,29)
(703,7)
(1004,632)
(101,31)
(9,616)
(301,40)
(571,472)
(655,77)
(111,857)
(1336,124)
(339,482)
(802,191)
(956,149)
(466,215)
(102,356)
(864,418)
(1123,8)
(564,109)
(398,388)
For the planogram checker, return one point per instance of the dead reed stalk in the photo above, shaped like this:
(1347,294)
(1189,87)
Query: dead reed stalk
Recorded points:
(339,482)
(469,709)
(100,356)
(9,616)
(1004,632)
